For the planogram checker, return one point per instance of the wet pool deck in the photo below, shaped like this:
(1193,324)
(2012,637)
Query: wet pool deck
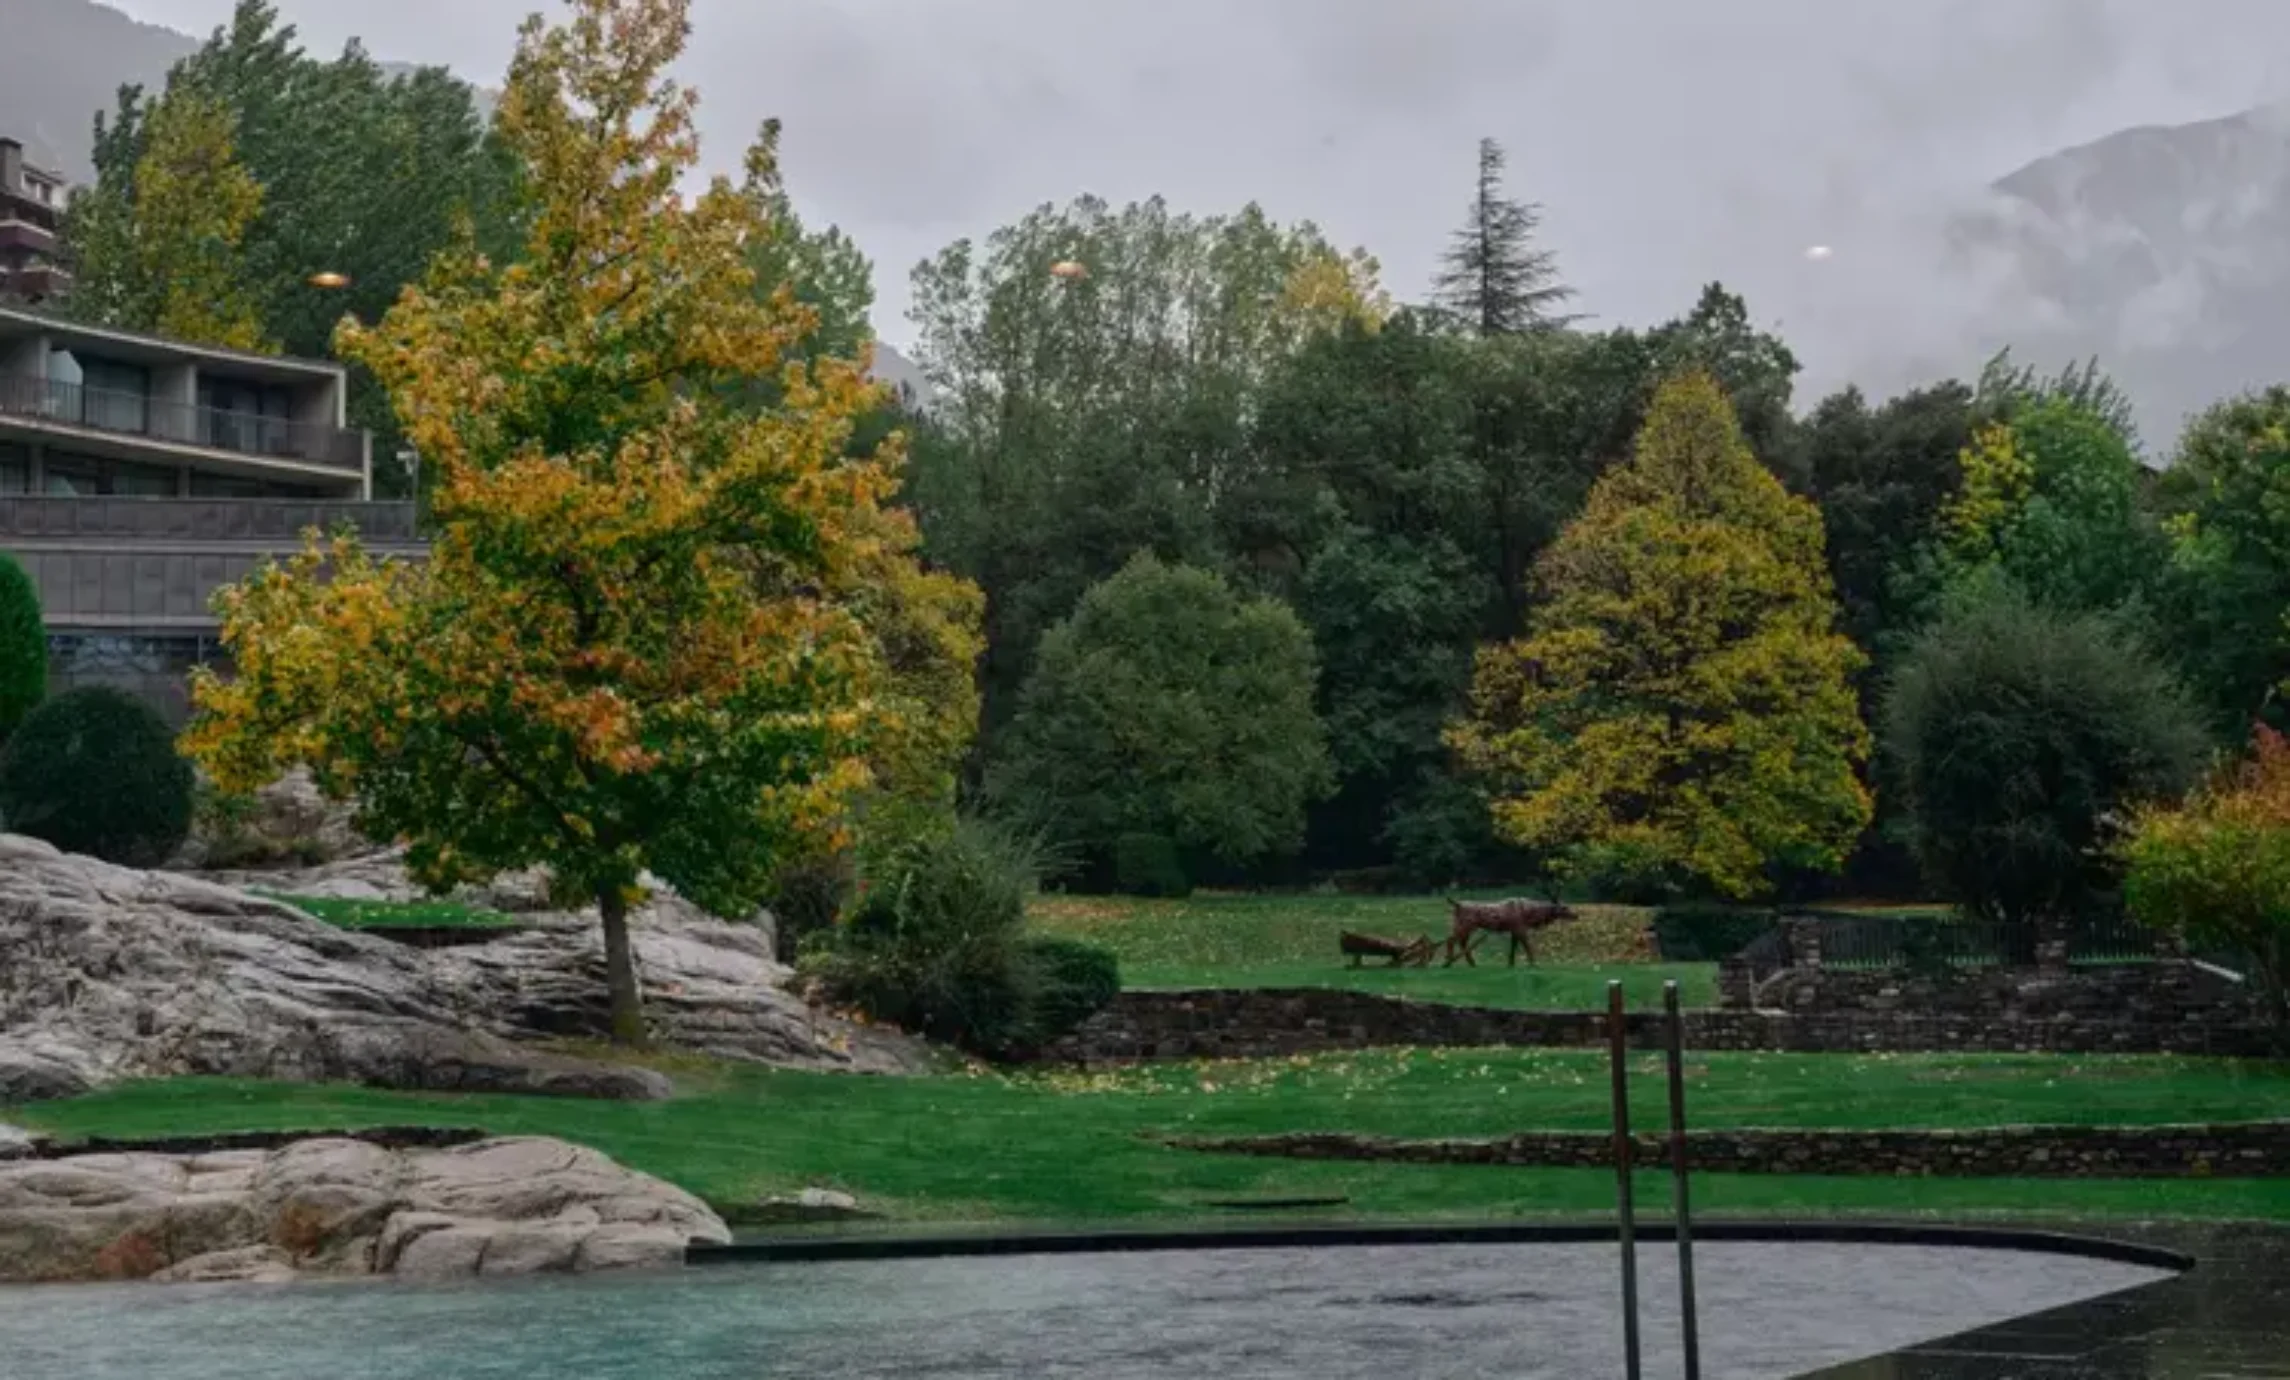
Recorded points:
(2226,1319)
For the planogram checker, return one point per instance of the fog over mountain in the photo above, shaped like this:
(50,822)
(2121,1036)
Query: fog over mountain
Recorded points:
(2071,176)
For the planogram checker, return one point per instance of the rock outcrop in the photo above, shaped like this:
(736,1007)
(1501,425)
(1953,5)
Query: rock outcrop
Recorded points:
(113,973)
(330,1207)
(287,821)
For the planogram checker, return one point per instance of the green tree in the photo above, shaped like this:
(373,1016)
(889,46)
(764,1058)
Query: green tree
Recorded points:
(2019,736)
(649,637)
(1882,477)
(23,646)
(1398,487)
(2051,500)
(1493,279)
(2227,498)
(2215,868)
(1681,705)
(1757,370)
(825,270)
(2007,388)
(193,204)
(1168,705)
(361,174)
(1084,419)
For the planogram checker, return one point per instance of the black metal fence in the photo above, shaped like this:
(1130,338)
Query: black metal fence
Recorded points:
(1851,940)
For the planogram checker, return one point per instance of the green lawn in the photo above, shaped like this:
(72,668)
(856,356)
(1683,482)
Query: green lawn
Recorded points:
(1234,940)
(397,915)
(1067,1147)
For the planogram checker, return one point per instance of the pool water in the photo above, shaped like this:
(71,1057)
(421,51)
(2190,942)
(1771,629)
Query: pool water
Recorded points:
(1332,1314)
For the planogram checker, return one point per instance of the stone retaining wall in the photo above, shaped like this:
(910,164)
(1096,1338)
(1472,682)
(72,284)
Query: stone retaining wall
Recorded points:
(1260,1023)
(2163,992)
(2242,1151)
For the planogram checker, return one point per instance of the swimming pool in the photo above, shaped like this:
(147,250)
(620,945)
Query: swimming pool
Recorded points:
(1538,1310)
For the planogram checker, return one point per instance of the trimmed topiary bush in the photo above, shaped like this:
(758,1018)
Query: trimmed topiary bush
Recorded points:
(23,647)
(95,771)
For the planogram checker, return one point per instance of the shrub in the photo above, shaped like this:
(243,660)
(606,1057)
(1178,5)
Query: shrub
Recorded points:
(95,771)
(23,647)
(1064,982)
(809,896)
(2216,869)
(1148,865)
(932,945)
(1707,931)
(235,832)
(2017,736)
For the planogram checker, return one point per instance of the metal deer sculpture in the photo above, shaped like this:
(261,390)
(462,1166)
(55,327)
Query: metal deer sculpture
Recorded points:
(1517,917)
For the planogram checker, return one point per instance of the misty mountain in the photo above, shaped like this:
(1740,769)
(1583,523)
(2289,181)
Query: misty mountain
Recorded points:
(2162,250)
(61,61)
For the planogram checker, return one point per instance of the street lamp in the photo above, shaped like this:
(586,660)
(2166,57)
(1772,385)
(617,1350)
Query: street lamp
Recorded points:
(330,280)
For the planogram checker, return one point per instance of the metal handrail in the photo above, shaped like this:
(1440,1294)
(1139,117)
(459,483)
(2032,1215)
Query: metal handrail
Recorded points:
(136,414)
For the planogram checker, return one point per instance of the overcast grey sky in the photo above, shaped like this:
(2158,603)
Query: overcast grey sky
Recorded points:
(1671,141)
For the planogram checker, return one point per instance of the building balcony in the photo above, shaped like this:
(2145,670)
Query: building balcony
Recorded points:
(35,281)
(270,523)
(147,566)
(50,403)
(30,215)
(21,236)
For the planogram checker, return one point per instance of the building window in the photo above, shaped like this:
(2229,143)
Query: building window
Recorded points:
(231,486)
(85,476)
(15,470)
(114,396)
(250,417)
(153,669)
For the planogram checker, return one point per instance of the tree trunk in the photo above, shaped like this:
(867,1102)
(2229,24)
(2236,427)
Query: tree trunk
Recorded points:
(620,969)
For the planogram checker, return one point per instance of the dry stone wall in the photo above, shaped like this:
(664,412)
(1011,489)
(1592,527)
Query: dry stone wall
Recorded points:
(1259,1023)
(2248,1150)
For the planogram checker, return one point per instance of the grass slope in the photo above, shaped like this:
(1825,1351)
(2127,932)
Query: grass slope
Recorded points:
(1227,940)
(1071,1147)
(396,915)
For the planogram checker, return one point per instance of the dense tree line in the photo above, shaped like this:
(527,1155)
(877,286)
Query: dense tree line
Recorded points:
(1454,542)
(1399,477)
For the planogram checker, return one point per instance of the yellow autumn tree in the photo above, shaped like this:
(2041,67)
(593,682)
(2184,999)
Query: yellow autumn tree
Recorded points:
(193,203)
(1681,706)
(661,632)
(1330,290)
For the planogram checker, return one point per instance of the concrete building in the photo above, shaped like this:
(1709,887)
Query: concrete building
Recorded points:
(31,207)
(138,475)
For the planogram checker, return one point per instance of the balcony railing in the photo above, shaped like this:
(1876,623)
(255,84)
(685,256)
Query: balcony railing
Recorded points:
(274,521)
(30,210)
(135,414)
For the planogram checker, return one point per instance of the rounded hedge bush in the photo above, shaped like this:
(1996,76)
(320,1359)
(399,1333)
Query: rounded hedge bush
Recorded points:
(95,771)
(23,647)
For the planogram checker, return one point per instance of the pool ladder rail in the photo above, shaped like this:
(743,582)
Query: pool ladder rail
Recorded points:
(1618,1057)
